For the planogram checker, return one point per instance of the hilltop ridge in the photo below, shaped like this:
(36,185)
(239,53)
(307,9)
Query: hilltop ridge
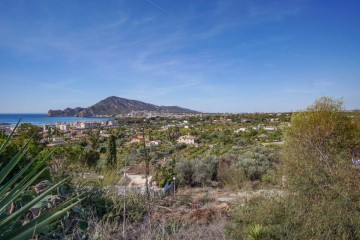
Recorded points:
(116,105)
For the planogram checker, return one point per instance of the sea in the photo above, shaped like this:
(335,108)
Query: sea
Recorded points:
(42,119)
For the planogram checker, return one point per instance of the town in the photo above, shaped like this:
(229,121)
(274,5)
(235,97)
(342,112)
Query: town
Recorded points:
(263,127)
(179,120)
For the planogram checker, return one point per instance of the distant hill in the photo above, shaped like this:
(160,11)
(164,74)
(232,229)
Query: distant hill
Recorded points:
(114,106)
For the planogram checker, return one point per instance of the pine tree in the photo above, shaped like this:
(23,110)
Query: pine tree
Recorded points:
(111,160)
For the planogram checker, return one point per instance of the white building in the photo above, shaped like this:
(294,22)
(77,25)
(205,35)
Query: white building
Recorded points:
(187,139)
(240,130)
(6,130)
(63,127)
(58,140)
(270,128)
(87,125)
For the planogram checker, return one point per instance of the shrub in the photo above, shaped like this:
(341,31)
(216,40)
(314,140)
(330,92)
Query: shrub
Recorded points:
(324,197)
(269,214)
(108,206)
(256,232)
(317,161)
(196,172)
(230,176)
(90,157)
(256,163)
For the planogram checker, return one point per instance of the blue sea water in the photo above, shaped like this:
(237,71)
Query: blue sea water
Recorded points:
(41,119)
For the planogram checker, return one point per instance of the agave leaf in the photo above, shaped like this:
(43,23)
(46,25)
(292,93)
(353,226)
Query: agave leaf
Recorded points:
(27,230)
(10,226)
(43,216)
(8,167)
(17,192)
(25,183)
(8,185)
(4,145)
(29,205)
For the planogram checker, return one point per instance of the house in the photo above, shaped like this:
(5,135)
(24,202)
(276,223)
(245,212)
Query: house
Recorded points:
(240,130)
(68,135)
(153,143)
(270,128)
(136,181)
(46,127)
(84,125)
(6,130)
(137,139)
(104,133)
(187,139)
(76,124)
(44,141)
(81,135)
(58,140)
(63,127)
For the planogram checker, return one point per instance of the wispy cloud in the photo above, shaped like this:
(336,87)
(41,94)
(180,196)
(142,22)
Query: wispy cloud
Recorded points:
(300,90)
(324,83)
(58,85)
(145,93)
(160,8)
(317,86)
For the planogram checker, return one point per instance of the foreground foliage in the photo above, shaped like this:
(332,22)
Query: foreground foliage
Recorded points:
(15,202)
(323,185)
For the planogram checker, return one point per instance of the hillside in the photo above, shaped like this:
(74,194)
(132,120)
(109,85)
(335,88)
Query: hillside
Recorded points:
(114,106)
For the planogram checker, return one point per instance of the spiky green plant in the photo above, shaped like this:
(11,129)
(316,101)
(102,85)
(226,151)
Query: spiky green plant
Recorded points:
(256,232)
(11,190)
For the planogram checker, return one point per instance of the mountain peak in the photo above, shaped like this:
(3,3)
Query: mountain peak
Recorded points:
(114,105)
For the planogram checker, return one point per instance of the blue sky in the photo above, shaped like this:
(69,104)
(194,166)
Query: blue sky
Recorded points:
(212,56)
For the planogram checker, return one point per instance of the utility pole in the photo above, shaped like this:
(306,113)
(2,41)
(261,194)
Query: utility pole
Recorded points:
(124,213)
(174,186)
(147,172)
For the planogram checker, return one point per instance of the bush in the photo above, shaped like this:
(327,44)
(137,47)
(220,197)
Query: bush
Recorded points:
(229,175)
(324,194)
(196,172)
(317,161)
(269,214)
(102,150)
(180,146)
(90,158)
(255,163)
(108,206)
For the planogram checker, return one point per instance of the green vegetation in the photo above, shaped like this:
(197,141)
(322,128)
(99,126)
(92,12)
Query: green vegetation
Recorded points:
(111,159)
(251,176)
(322,183)
(16,201)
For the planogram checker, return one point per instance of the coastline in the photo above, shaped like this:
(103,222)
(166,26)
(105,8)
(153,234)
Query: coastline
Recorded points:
(39,119)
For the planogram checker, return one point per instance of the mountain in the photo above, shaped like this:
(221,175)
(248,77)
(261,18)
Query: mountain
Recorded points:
(114,106)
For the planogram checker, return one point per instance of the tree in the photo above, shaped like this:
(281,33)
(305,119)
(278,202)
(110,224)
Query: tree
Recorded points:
(323,193)
(318,168)
(26,131)
(90,157)
(94,138)
(320,139)
(111,160)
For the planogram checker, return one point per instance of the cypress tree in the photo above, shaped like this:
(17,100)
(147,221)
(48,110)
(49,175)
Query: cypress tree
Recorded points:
(111,160)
